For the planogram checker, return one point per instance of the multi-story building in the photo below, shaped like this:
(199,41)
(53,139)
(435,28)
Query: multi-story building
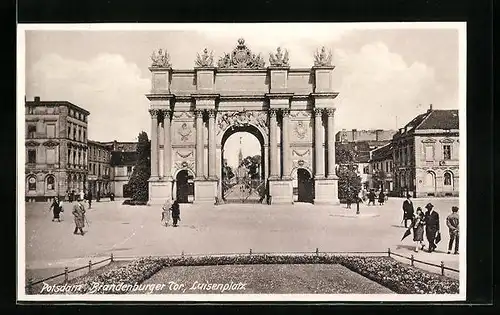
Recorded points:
(99,179)
(426,155)
(56,148)
(361,143)
(381,168)
(122,162)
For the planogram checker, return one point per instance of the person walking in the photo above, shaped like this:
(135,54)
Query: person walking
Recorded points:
(56,209)
(176,212)
(166,213)
(71,196)
(452,223)
(79,214)
(418,229)
(381,198)
(408,210)
(89,198)
(371,197)
(431,226)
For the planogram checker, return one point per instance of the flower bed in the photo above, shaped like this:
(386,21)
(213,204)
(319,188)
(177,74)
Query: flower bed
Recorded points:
(386,271)
(399,277)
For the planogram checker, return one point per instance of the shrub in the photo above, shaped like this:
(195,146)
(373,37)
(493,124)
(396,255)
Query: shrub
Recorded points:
(138,183)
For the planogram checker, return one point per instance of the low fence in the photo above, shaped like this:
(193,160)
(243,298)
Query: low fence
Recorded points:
(31,283)
(389,253)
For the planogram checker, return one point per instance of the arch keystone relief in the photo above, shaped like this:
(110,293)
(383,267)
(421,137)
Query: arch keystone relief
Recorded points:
(240,93)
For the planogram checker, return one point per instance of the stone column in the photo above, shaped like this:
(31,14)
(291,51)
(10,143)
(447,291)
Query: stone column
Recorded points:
(154,143)
(199,144)
(167,147)
(212,172)
(318,144)
(286,145)
(331,143)
(71,160)
(273,152)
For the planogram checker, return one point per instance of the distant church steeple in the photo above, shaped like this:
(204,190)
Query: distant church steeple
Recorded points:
(240,155)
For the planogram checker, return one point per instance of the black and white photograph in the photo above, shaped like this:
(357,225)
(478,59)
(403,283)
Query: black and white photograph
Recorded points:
(241,162)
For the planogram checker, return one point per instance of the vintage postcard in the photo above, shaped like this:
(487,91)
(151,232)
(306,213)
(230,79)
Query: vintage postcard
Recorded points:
(241,162)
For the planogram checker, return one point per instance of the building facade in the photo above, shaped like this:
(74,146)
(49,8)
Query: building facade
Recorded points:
(381,168)
(291,112)
(361,143)
(56,149)
(123,160)
(99,169)
(426,155)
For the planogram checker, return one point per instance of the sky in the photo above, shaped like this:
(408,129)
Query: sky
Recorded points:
(384,75)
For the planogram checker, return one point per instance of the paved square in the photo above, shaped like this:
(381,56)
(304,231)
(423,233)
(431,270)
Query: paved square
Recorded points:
(136,231)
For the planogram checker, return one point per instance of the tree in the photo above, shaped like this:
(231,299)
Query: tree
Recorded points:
(344,155)
(349,183)
(138,183)
(227,172)
(252,163)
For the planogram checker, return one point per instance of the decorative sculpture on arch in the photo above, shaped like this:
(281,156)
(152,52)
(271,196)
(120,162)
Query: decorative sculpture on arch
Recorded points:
(241,119)
(279,59)
(241,58)
(160,59)
(322,58)
(205,60)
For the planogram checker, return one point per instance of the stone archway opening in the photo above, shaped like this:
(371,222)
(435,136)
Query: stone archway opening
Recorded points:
(305,186)
(184,191)
(243,175)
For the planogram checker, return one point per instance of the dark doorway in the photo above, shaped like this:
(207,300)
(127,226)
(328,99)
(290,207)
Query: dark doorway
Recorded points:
(305,186)
(185,186)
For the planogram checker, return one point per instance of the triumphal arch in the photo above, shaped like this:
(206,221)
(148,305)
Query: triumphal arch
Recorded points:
(290,111)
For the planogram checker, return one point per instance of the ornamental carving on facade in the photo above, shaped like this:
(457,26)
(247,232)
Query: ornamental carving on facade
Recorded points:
(205,60)
(32,143)
(51,143)
(323,58)
(185,132)
(279,59)
(295,113)
(300,130)
(184,154)
(181,114)
(241,119)
(185,165)
(301,164)
(241,58)
(160,59)
(303,153)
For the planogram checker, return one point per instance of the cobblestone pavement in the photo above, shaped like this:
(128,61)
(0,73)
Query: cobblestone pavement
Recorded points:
(235,228)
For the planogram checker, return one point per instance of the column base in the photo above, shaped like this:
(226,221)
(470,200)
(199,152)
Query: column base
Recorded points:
(326,191)
(280,191)
(159,191)
(205,191)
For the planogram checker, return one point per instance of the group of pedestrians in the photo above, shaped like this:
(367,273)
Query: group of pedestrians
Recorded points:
(78,213)
(429,222)
(381,198)
(170,210)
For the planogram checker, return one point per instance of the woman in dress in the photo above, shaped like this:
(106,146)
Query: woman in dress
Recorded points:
(176,212)
(418,229)
(381,198)
(56,209)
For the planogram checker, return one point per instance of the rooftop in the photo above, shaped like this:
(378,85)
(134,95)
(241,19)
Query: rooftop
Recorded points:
(440,119)
(38,102)
(382,153)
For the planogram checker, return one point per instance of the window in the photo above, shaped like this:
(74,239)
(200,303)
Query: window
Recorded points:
(51,131)
(31,131)
(84,136)
(32,156)
(429,153)
(447,179)
(446,152)
(80,135)
(51,156)
(50,182)
(74,134)
(32,183)
(98,170)
(69,131)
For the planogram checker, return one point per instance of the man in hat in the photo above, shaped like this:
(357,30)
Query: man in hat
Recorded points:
(79,214)
(408,210)
(431,225)
(452,223)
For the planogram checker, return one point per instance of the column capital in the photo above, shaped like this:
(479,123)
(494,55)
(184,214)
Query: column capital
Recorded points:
(330,112)
(272,112)
(318,112)
(154,113)
(211,113)
(285,112)
(199,113)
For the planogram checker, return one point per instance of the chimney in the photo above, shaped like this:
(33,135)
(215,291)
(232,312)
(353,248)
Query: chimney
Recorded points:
(430,108)
(354,131)
(37,99)
(377,134)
